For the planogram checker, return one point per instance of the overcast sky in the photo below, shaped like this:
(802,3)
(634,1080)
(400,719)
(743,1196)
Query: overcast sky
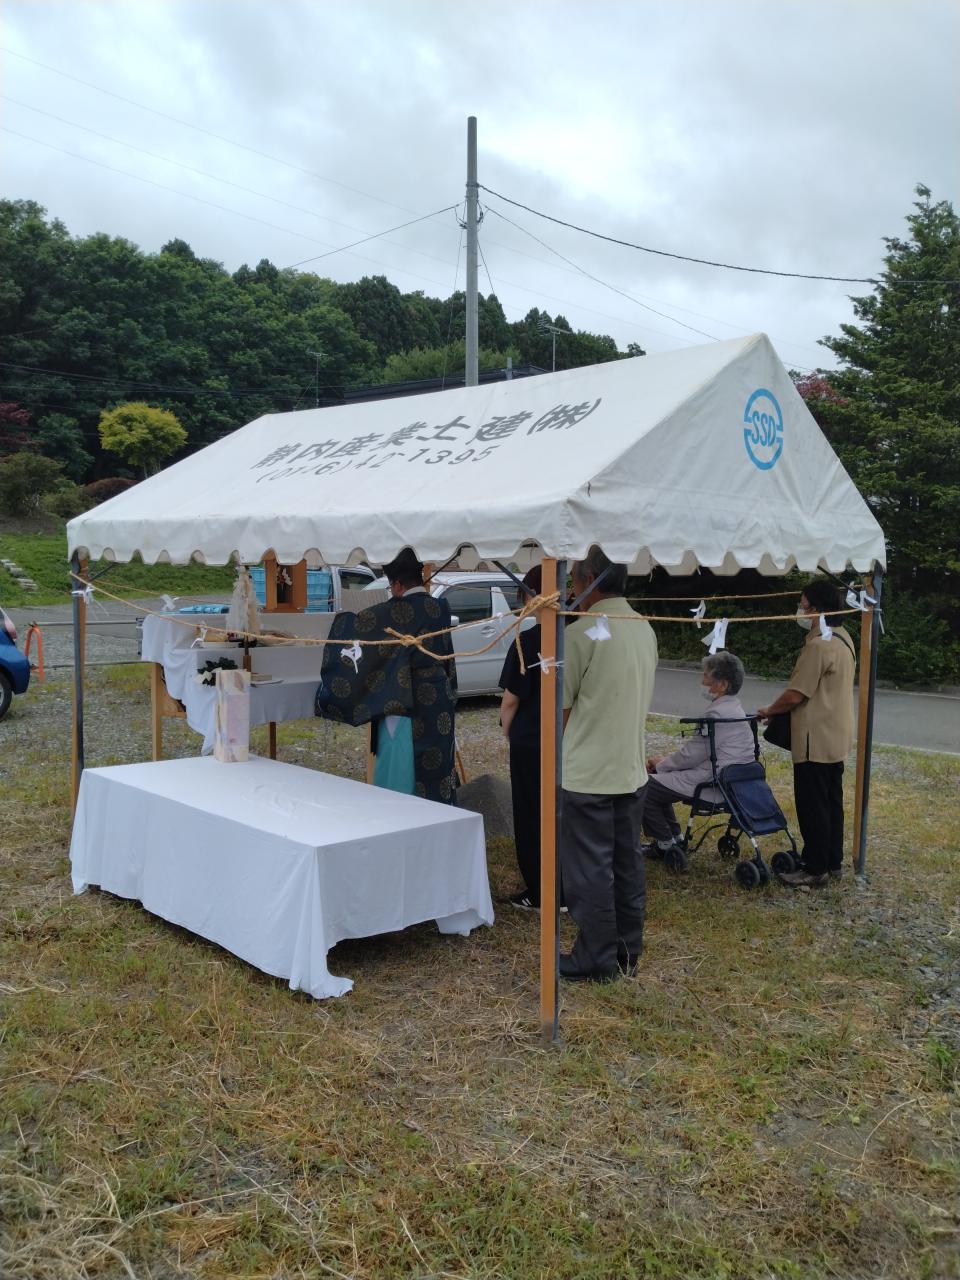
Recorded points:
(767,133)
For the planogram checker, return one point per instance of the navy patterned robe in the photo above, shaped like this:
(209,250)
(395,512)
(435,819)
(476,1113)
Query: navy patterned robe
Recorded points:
(395,680)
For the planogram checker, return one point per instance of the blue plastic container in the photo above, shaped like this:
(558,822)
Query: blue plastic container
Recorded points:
(319,588)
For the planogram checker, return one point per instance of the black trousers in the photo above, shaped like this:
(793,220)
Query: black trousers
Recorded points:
(818,792)
(525,787)
(604,879)
(659,820)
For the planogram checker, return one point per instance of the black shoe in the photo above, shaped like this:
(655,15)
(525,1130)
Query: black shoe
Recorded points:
(629,963)
(523,902)
(805,880)
(571,971)
(836,873)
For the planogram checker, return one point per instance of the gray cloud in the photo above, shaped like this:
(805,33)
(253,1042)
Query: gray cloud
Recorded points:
(775,134)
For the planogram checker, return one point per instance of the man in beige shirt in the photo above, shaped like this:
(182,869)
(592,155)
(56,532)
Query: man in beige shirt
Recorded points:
(607,686)
(819,698)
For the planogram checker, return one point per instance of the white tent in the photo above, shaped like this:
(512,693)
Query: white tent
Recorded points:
(706,457)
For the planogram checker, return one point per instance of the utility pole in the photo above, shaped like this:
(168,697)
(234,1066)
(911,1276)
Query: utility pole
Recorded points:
(472,353)
(553,331)
(316,380)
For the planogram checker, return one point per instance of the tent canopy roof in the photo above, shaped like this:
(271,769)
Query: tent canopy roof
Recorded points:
(703,457)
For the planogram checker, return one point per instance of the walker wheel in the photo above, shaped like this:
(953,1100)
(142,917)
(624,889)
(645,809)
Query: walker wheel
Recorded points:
(747,875)
(728,847)
(783,864)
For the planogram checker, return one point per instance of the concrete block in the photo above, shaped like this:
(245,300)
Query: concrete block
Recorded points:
(490,797)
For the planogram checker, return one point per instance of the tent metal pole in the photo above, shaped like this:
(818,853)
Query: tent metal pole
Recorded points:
(79,647)
(558,794)
(865,737)
(551,727)
(527,591)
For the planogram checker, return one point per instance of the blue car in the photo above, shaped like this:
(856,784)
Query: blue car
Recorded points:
(14,667)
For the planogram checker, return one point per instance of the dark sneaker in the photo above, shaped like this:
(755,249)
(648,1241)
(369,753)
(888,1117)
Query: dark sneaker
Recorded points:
(628,964)
(523,902)
(651,850)
(804,880)
(571,972)
(835,873)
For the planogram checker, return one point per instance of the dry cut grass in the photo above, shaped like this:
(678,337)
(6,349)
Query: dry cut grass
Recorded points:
(774,1096)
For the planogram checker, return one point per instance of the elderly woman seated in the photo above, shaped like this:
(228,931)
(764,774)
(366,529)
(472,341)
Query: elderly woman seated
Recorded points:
(676,776)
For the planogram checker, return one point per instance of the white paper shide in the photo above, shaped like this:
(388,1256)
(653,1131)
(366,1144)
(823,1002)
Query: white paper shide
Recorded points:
(231,742)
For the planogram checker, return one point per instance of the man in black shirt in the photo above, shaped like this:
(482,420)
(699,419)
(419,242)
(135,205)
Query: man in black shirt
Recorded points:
(520,718)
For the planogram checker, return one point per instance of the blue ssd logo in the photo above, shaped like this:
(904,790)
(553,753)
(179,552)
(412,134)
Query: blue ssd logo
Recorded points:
(763,434)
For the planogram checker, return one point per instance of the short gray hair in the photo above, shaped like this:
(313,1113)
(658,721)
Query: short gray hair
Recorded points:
(595,563)
(725,666)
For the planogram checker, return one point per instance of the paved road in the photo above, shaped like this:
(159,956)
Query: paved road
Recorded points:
(927,720)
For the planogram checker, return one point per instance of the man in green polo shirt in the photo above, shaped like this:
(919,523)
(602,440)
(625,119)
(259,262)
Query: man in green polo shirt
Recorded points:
(608,673)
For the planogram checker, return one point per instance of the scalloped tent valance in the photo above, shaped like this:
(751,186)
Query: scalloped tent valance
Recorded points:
(704,457)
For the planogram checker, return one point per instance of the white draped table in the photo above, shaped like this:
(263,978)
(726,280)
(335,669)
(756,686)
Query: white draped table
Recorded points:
(295,668)
(277,863)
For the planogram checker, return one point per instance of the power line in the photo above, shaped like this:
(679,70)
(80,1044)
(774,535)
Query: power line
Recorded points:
(332,251)
(689,311)
(706,262)
(456,273)
(376,236)
(662,314)
(142,386)
(486,268)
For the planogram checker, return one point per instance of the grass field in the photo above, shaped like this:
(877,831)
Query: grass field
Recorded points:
(43,556)
(775,1095)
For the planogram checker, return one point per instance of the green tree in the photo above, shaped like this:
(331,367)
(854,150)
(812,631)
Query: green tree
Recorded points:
(574,349)
(60,438)
(435,362)
(25,479)
(893,411)
(380,313)
(140,434)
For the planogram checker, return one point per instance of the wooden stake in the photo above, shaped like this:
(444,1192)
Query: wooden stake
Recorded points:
(548,811)
(270,583)
(272,738)
(80,651)
(866,643)
(371,758)
(162,707)
(157,691)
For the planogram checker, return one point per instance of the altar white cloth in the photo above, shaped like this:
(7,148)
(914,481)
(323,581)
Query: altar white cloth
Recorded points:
(296,667)
(277,863)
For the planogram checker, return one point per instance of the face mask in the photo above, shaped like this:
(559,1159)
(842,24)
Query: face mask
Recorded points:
(804,620)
